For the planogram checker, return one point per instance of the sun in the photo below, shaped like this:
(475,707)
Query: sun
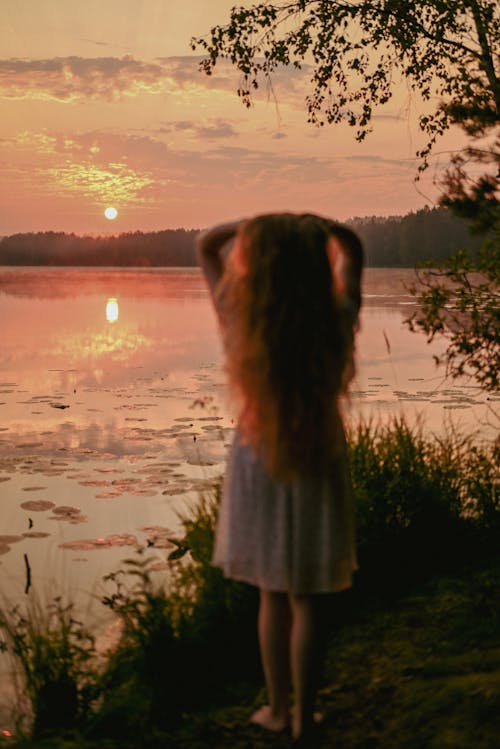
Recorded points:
(111,213)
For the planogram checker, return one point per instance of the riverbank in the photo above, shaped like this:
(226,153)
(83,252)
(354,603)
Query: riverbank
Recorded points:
(414,649)
(420,672)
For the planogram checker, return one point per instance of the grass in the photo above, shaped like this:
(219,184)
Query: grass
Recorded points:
(422,673)
(414,659)
(57,656)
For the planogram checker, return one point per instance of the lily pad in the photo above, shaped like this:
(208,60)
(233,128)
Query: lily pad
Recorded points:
(123,539)
(38,505)
(158,536)
(10,539)
(66,510)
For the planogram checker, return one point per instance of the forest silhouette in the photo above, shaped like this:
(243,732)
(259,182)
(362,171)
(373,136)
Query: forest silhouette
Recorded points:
(396,241)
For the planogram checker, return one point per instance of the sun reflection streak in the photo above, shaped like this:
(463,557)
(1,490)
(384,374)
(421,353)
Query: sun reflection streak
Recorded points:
(121,344)
(112,310)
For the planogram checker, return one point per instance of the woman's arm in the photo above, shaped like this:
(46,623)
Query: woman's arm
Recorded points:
(209,250)
(346,257)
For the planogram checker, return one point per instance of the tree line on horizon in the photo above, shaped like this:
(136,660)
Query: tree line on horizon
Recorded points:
(430,234)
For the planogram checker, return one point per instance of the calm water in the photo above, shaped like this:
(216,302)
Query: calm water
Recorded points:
(113,411)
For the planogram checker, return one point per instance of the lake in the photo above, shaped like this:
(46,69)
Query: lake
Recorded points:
(113,410)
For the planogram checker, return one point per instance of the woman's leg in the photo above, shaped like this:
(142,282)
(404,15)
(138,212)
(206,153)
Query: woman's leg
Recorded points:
(306,646)
(274,639)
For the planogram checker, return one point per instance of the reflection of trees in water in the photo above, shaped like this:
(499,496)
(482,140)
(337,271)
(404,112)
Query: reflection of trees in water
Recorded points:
(60,283)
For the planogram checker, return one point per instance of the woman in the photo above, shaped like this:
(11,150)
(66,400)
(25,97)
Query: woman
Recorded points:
(287,293)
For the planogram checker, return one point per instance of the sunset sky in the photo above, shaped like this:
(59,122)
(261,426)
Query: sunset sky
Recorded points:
(102,104)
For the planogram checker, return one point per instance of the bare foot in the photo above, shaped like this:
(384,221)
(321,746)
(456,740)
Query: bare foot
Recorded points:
(264,717)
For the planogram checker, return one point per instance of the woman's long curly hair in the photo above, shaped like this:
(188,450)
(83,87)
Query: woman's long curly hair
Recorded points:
(289,341)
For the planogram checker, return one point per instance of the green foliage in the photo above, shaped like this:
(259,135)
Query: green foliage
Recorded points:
(474,198)
(404,481)
(147,657)
(460,301)
(422,504)
(397,482)
(179,644)
(56,655)
(356,53)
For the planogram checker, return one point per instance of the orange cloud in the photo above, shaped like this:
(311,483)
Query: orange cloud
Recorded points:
(69,79)
(165,179)
(73,79)
(56,163)
(115,182)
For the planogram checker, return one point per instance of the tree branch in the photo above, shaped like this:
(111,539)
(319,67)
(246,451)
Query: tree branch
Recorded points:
(487,59)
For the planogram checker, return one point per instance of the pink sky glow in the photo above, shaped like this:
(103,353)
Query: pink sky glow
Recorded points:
(102,104)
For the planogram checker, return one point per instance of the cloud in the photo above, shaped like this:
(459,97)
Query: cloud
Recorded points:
(209,129)
(73,79)
(188,183)
(116,182)
(136,168)
(69,79)
(93,165)
(95,41)
(181,125)
(287,84)
(373,158)
(219,129)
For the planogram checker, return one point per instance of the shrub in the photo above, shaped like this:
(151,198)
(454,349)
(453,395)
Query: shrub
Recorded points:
(419,501)
(182,643)
(56,654)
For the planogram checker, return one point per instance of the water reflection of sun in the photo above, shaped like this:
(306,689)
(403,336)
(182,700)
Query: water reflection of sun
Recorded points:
(120,344)
(112,310)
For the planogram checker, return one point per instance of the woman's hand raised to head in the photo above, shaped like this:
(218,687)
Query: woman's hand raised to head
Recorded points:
(211,241)
(210,246)
(345,253)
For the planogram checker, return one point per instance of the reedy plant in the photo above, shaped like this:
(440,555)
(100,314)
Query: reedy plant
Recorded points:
(419,499)
(183,637)
(56,654)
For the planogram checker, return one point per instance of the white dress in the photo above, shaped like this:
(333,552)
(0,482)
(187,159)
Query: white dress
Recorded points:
(297,537)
